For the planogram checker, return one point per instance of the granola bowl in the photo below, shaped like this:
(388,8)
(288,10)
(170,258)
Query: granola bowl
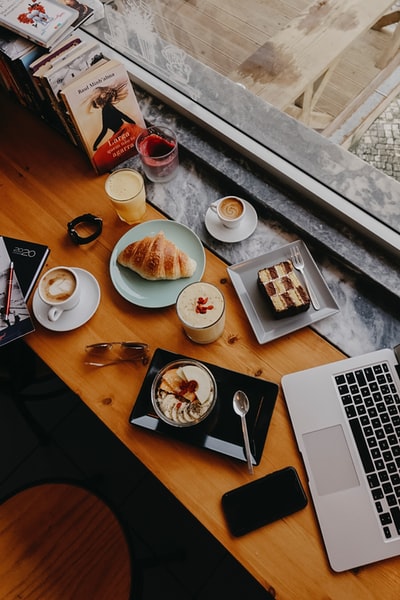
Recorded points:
(183,393)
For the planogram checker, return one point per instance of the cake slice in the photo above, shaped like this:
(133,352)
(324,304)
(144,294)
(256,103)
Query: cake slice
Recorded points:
(283,290)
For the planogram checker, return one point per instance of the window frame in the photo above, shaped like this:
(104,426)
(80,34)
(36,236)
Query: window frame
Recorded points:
(273,160)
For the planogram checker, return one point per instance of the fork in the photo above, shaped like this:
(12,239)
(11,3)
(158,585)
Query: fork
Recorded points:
(298,263)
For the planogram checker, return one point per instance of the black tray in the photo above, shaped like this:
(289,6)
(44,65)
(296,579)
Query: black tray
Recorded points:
(221,431)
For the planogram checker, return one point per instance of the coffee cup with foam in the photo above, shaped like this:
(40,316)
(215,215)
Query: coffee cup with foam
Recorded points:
(230,211)
(59,289)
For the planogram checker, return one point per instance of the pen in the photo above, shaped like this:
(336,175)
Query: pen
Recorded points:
(9,290)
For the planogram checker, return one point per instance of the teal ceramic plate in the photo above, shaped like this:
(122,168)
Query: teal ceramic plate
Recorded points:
(156,294)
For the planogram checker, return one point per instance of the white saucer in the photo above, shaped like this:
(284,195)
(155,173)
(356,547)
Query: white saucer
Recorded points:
(71,319)
(223,234)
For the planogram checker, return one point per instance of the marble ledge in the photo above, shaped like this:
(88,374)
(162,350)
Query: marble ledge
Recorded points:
(323,232)
(363,323)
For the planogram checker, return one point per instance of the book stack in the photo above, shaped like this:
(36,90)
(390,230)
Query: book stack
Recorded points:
(73,87)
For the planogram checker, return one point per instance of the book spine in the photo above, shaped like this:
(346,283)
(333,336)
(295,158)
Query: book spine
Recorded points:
(10,81)
(69,115)
(48,112)
(26,85)
(3,80)
(57,107)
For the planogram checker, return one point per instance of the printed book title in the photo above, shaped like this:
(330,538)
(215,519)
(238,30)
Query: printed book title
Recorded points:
(96,83)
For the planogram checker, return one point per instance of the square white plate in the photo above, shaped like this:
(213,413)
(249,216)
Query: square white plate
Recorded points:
(262,321)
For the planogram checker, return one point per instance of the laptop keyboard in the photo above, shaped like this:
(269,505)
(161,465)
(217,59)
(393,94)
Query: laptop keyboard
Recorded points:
(372,405)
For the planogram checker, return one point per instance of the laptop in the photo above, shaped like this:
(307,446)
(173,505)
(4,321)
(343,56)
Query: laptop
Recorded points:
(346,419)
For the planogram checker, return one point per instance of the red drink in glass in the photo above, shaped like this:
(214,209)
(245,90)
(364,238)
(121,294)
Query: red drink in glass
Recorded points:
(158,150)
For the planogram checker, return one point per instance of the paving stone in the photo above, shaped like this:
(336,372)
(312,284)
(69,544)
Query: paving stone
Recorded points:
(380,144)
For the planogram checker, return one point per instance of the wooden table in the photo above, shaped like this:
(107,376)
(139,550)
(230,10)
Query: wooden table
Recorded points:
(291,70)
(44,183)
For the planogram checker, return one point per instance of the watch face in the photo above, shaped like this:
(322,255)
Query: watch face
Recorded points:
(95,223)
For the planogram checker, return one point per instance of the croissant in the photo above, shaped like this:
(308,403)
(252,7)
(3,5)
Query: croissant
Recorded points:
(157,258)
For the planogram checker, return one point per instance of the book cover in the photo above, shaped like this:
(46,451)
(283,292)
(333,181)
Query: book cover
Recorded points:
(104,107)
(43,22)
(85,12)
(18,321)
(98,10)
(70,67)
(28,258)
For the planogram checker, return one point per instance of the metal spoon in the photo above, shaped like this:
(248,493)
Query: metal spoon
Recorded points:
(241,407)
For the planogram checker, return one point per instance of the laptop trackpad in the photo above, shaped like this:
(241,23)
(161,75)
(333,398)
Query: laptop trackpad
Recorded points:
(330,460)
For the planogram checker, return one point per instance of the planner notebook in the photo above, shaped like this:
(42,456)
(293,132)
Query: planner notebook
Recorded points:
(15,319)
(29,259)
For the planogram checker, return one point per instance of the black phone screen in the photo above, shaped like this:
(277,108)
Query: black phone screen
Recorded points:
(263,501)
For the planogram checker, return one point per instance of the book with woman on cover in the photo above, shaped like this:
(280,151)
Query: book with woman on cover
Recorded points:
(106,113)
(43,22)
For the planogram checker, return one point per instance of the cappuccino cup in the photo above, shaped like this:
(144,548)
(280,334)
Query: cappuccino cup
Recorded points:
(230,211)
(59,290)
(200,307)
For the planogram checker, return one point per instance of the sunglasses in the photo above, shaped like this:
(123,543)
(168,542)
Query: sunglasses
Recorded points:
(103,354)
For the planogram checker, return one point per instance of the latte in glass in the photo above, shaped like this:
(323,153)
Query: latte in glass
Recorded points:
(201,310)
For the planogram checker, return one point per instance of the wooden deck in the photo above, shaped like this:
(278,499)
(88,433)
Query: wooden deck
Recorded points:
(223,34)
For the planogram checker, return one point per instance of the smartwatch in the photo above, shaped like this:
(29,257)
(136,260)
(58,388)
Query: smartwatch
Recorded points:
(93,223)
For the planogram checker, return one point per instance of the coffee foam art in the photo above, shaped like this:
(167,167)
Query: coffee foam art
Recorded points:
(231,208)
(61,289)
(58,285)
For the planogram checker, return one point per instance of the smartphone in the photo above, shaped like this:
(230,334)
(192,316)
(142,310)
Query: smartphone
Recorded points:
(263,501)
